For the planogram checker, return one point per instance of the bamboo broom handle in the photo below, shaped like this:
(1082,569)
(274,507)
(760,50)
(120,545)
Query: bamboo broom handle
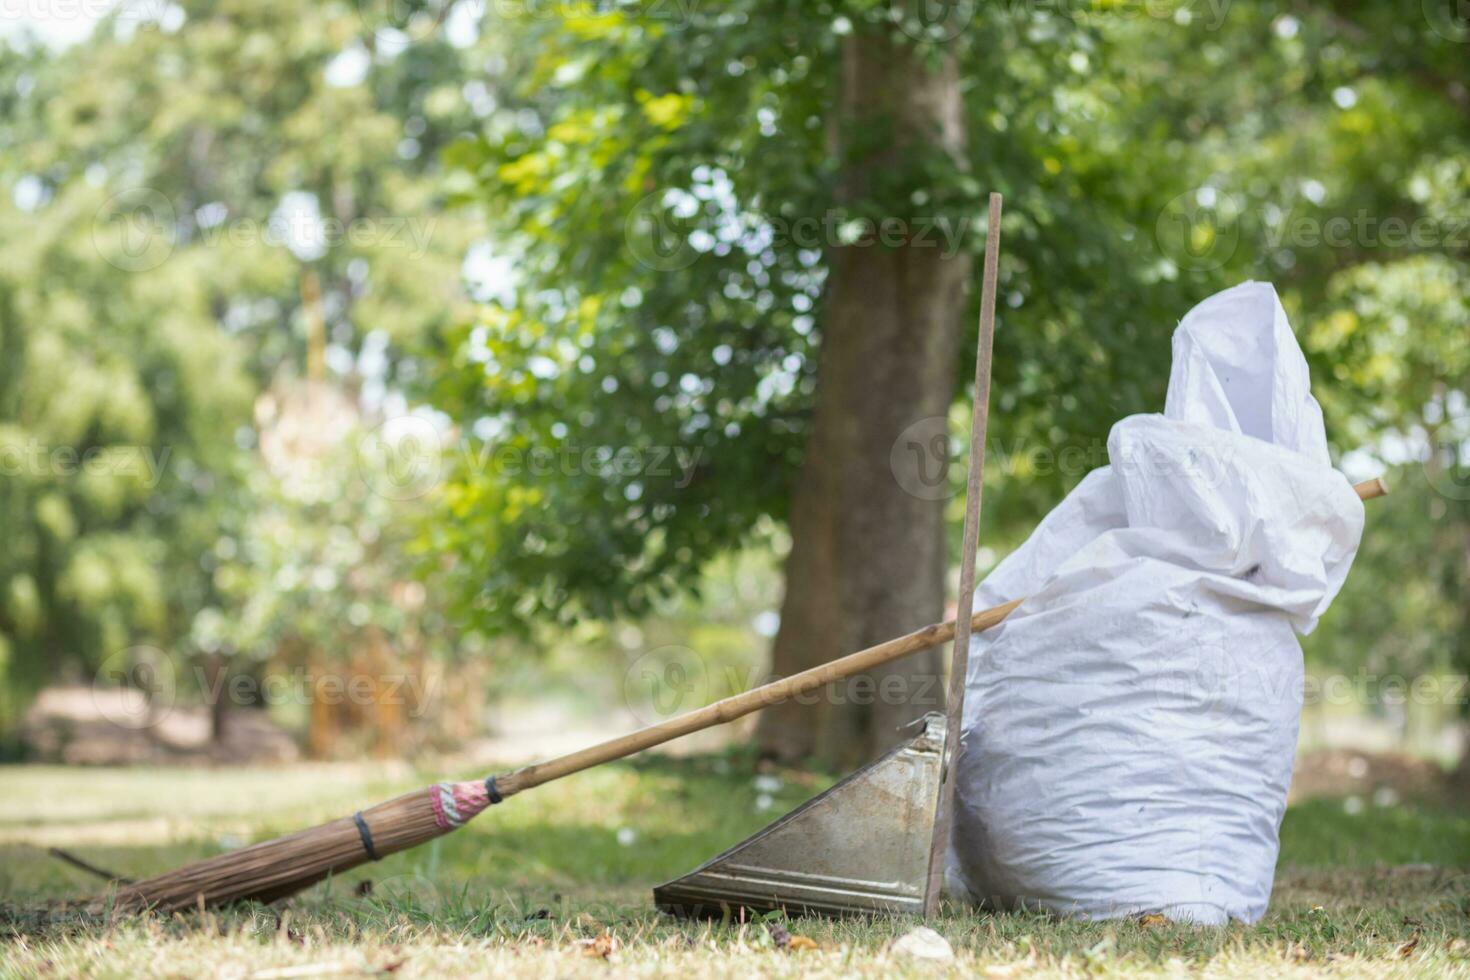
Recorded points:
(739,705)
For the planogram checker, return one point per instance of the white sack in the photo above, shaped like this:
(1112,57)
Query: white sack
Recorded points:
(1129,729)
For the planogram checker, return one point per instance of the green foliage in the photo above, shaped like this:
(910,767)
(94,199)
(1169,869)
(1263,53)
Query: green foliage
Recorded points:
(666,192)
(194,206)
(320,563)
(646,169)
(119,397)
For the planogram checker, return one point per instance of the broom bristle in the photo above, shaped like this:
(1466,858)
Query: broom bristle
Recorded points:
(278,868)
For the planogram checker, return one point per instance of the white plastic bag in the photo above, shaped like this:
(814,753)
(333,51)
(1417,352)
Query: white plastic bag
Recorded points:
(1130,728)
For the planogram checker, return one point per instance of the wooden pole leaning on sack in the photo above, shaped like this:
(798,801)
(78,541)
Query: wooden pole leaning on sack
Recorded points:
(277,868)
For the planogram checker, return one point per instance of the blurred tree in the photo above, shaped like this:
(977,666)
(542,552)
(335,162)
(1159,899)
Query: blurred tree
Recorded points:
(119,399)
(200,200)
(319,578)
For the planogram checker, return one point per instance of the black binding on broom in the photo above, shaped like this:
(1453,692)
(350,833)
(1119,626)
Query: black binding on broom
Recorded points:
(366,835)
(491,791)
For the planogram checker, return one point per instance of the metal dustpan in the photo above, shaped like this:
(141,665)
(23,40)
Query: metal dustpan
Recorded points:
(861,847)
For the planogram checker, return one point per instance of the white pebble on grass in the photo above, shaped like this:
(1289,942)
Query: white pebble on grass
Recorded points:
(923,943)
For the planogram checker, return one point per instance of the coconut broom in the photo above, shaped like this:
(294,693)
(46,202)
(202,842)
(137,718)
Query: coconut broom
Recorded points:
(275,869)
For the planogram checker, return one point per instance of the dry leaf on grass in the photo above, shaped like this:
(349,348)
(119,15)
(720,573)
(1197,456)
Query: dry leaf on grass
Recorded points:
(801,942)
(1153,920)
(1407,949)
(603,946)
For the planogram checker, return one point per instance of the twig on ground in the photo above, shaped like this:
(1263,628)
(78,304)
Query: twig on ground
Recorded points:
(91,869)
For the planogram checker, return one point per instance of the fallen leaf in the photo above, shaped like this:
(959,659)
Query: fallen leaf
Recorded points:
(1408,948)
(603,946)
(1153,920)
(801,942)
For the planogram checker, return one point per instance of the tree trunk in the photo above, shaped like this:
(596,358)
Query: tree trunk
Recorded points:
(867,557)
(217,676)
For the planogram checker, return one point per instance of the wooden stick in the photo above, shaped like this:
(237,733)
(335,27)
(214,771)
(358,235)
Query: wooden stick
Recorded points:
(806,681)
(91,869)
(979,422)
(959,661)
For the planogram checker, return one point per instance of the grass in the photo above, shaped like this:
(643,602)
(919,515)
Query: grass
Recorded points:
(553,880)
